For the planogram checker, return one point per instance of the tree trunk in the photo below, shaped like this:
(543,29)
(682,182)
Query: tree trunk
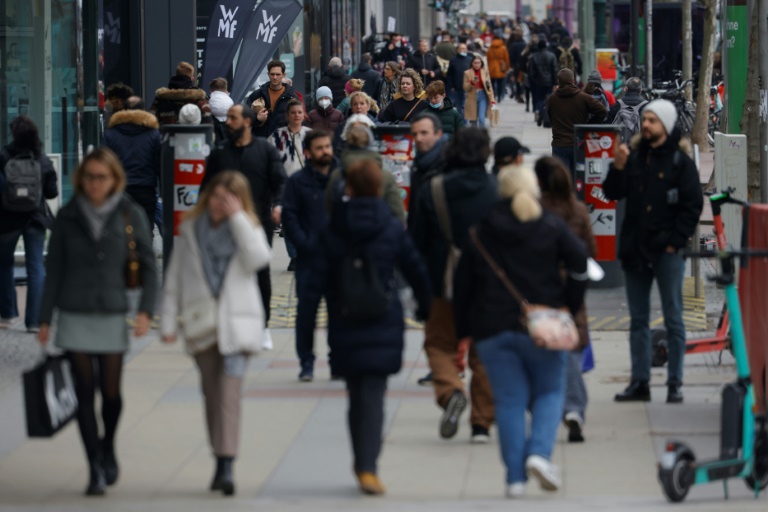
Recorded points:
(750,118)
(687,47)
(701,124)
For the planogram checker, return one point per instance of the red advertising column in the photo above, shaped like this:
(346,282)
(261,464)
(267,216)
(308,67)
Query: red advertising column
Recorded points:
(595,145)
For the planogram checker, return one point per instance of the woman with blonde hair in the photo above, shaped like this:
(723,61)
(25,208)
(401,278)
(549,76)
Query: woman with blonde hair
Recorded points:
(100,246)
(211,299)
(529,246)
(480,98)
(353,85)
(409,101)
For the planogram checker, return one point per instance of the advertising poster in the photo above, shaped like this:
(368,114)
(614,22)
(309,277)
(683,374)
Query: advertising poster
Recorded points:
(397,150)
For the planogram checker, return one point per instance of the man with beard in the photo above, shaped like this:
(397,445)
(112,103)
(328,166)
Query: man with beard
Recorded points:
(663,196)
(273,97)
(304,216)
(260,162)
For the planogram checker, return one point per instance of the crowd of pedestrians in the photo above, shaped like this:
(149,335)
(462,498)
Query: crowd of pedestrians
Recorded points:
(477,248)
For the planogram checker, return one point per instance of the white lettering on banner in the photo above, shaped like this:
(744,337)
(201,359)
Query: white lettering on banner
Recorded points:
(227,23)
(192,168)
(603,222)
(598,194)
(185,197)
(61,405)
(268,27)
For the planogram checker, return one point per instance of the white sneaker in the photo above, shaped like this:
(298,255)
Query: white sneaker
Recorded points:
(266,341)
(544,471)
(516,490)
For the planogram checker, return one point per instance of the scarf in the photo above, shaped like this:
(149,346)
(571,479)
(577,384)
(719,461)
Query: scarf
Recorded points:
(217,247)
(97,216)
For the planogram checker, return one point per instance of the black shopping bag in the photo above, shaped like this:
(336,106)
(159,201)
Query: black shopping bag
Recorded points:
(49,397)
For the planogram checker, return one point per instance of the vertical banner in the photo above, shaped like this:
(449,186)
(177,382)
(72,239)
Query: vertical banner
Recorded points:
(266,30)
(736,50)
(226,28)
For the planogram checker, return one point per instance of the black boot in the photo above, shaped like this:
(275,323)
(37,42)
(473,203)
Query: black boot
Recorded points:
(222,479)
(109,463)
(97,485)
(674,395)
(637,391)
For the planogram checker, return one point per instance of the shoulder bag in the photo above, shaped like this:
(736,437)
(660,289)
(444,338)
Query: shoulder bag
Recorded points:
(550,328)
(444,219)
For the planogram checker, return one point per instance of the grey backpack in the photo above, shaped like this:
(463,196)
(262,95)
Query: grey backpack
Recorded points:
(23,190)
(628,118)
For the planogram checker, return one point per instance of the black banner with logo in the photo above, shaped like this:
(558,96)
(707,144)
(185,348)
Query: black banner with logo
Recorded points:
(226,28)
(267,28)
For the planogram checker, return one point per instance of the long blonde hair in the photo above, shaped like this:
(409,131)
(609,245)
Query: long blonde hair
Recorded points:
(234,182)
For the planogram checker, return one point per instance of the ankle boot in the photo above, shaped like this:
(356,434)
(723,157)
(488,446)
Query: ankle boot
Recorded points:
(223,479)
(637,391)
(674,395)
(109,463)
(97,485)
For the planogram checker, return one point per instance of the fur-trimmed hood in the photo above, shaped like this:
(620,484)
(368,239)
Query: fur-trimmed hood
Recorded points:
(185,95)
(135,117)
(684,143)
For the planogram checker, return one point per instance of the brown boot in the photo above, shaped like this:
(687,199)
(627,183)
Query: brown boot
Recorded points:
(370,484)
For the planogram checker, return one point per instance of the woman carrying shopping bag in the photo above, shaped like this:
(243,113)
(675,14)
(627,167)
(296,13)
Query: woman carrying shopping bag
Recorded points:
(100,247)
(211,300)
(480,99)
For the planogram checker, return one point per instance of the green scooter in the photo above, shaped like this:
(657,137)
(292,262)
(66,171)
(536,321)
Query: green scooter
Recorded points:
(743,436)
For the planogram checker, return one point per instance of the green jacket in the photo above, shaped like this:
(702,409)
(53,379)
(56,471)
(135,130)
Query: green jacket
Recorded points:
(84,275)
(449,116)
(390,190)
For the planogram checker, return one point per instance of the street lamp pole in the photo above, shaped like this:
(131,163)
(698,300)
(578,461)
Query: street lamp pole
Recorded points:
(634,34)
(601,38)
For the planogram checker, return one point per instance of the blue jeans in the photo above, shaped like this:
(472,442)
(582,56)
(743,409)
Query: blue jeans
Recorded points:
(521,374)
(482,106)
(565,154)
(576,397)
(458,98)
(34,239)
(668,270)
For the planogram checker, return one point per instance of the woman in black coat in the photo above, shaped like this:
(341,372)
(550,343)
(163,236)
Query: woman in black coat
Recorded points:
(365,317)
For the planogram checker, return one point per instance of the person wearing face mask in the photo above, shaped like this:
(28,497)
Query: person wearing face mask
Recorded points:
(442,107)
(454,80)
(410,101)
(397,51)
(325,116)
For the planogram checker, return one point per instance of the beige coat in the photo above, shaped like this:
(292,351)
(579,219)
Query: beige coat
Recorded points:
(470,104)
(240,312)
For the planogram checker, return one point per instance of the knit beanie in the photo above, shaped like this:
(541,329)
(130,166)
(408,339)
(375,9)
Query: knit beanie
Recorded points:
(190,114)
(665,111)
(348,87)
(520,184)
(595,78)
(324,92)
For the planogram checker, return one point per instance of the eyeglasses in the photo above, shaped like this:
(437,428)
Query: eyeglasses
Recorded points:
(96,178)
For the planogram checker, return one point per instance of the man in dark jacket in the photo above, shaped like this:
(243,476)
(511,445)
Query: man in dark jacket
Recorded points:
(542,76)
(425,63)
(134,137)
(569,106)
(454,80)
(663,195)
(181,90)
(469,193)
(515,46)
(396,50)
(261,164)
(273,98)
(335,78)
(428,137)
(304,217)
(31,225)
(371,77)
(633,97)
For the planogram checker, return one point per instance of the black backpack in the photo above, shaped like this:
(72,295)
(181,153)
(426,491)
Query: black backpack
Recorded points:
(362,296)
(23,190)
(628,118)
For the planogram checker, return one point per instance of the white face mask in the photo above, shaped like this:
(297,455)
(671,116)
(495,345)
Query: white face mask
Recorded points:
(325,103)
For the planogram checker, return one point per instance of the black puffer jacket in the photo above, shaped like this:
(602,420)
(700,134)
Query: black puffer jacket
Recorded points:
(664,199)
(134,137)
(371,77)
(13,221)
(428,61)
(542,68)
(335,78)
(532,255)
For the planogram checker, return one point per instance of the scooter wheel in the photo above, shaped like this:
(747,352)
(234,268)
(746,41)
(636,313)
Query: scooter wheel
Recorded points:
(759,477)
(676,482)
(659,352)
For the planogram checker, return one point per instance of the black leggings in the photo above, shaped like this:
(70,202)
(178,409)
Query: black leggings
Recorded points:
(108,369)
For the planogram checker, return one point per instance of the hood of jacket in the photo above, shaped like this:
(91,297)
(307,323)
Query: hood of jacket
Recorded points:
(220,104)
(364,67)
(466,181)
(497,43)
(632,98)
(360,218)
(335,73)
(181,82)
(567,91)
(675,140)
(508,230)
(134,119)
(187,95)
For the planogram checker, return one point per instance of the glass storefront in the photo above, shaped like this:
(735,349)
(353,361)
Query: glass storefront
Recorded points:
(48,55)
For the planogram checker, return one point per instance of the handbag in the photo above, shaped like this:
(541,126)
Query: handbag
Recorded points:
(50,401)
(444,219)
(550,328)
(199,320)
(133,265)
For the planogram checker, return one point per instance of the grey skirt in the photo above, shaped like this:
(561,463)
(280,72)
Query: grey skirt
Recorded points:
(92,332)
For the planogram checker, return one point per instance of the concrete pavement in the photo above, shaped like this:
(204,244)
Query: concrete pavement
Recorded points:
(295,451)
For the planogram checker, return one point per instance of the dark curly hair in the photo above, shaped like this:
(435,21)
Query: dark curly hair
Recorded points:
(119,90)
(471,147)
